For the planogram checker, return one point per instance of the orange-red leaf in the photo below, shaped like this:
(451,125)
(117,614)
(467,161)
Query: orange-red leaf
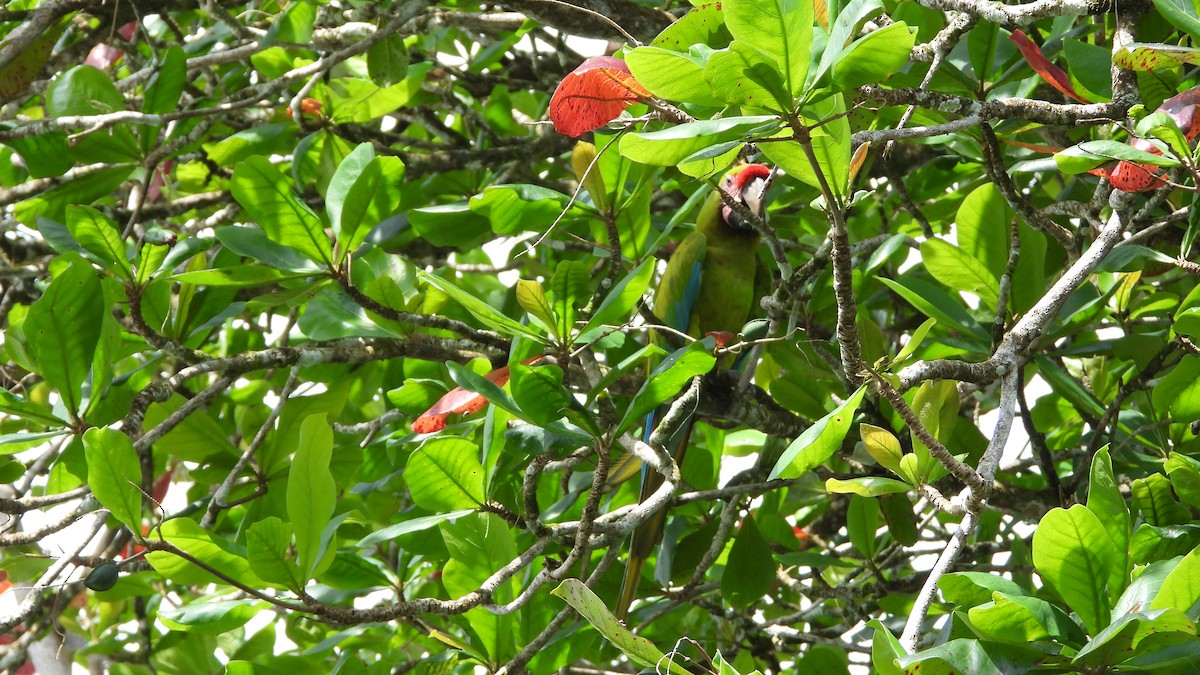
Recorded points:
(723,337)
(459,401)
(1053,75)
(593,95)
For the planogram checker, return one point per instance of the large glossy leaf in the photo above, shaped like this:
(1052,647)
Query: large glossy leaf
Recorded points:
(874,57)
(782,30)
(63,329)
(818,443)
(115,474)
(99,236)
(260,188)
(959,270)
(215,552)
(1075,556)
(672,75)
(311,492)
(444,475)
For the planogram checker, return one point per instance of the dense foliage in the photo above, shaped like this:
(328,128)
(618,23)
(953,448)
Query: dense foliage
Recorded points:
(323,345)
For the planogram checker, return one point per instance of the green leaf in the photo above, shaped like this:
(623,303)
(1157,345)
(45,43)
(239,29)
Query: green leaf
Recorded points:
(750,569)
(1181,14)
(166,84)
(532,298)
(262,191)
(408,526)
(1105,500)
(1150,57)
(1090,67)
(514,208)
(620,301)
(959,270)
(1185,478)
(882,445)
(99,235)
(670,146)
(727,76)
(218,554)
(982,225)
(1075,556)
(539,392)
(968,589)
(83,90)
(831,146)
(1019,619)
(818,443)
(267,544)
(570,289)
(885,649)
(862,522)
(866,486)
(1179,391)
(1154,499)
(898,513)
(478,546)
(844,27)
(242,276)
(358,101)
(639,650)
(780,29)
(357,173)
(480,309)
(114,474)
(63,329)
(1181,589)
(311,492)
(667,380)
(387,60)
(936,304)
(672,75)
(211,617)
(1091,154)
(874,57)
(445,474)
(914,342)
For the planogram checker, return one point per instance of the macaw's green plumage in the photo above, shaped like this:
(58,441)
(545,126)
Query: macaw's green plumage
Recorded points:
(709,285)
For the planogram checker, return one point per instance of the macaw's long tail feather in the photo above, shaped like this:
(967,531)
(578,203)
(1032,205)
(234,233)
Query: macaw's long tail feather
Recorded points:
(649,533)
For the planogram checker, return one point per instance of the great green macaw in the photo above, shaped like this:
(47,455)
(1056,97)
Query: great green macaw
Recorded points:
(709,285)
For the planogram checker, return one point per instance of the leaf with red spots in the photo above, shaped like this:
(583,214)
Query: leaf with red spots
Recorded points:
(1148,57)
(1053,75)
(593,95)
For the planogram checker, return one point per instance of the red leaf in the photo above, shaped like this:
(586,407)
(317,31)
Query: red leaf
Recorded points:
(127,30)
(103,56)
(1053,75)
(723,337)
(459,401)
(593,95)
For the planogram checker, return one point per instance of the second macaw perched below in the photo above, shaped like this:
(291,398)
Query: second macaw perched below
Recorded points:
(709,286)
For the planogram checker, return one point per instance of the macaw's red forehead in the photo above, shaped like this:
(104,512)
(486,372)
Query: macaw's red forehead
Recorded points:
(748,173)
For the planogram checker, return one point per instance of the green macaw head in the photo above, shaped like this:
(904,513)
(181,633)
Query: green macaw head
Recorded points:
(747,185)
